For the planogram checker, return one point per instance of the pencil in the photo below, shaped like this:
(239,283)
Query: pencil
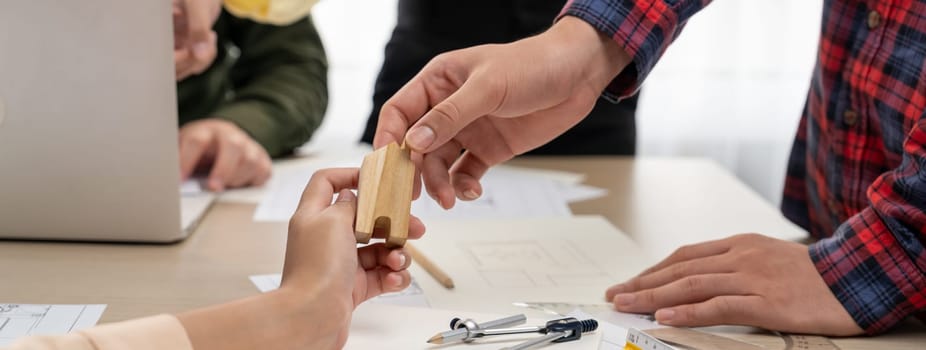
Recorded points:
(429,266)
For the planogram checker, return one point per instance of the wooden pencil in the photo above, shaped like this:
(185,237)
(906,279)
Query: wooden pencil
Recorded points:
(429,266)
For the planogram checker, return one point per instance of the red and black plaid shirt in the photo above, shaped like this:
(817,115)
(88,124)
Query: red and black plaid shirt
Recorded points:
(857,173)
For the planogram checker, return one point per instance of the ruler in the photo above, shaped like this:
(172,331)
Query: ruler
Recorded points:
(664,338)
(637,340)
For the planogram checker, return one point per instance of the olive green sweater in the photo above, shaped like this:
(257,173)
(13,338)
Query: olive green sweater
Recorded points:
(272,81)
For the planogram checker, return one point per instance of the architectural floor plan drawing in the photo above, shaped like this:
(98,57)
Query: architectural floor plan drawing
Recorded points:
(534,264)
(20,320)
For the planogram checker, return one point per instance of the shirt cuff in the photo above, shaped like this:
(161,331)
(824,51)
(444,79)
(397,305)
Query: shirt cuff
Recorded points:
(870,272)
(643,28)
(276,12)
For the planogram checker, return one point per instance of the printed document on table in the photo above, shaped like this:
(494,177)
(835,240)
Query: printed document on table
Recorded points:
(285,188)
(21,320)
(506,194)
(495,263)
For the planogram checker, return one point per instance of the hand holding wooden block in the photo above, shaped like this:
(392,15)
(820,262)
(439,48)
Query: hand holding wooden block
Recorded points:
(384,195)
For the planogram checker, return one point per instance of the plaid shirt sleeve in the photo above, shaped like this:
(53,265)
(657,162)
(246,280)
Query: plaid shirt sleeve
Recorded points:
(644,28)
(875,263)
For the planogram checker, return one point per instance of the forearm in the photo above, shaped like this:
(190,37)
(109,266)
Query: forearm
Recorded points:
(280,83)
(875,263)
(276,320)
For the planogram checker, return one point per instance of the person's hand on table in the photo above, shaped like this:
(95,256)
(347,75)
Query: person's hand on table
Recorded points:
(325,276)
(233,158)
(497,101)
(194,40)
(749,279)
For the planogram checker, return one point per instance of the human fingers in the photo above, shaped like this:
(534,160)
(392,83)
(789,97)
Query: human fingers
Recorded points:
(183,63)
(416,228)
(227,158)
(493,140)
(194,143)
(321,244)
(465,175)
(479,96)
(735,309)
(379,281)
(204,53)
(399,112)
(322,187)
(671,273)
(435,173)
(691,252)
(687,290)
(378,255)
(251,166)
(417,158)
(200,15)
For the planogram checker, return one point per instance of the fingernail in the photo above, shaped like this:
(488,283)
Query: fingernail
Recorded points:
(664,315)
(470,195)
(617,289)
(420,138)
(344,196)
(402,259)
(625,299)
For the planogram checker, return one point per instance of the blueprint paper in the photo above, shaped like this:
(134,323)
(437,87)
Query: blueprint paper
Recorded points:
(21,320)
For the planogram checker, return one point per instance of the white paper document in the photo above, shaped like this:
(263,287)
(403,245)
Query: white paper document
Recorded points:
(285,188)
(411,296)
(21,320)
(506,194)
(388,327)
(496,263)
(191,187)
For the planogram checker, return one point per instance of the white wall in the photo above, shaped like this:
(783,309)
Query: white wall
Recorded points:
(731,88)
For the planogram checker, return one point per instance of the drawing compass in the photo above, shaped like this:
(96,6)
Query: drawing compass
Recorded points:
(555,331)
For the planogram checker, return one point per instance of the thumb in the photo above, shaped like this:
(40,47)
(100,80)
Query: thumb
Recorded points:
(475,99)
(345,204)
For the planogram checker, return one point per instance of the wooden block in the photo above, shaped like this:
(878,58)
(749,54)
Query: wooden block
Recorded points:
(384,195)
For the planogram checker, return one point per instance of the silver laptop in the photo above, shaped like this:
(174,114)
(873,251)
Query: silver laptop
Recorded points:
(88,123)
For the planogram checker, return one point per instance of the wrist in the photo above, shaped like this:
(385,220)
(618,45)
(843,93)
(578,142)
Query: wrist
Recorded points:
(309,317)
(600,58)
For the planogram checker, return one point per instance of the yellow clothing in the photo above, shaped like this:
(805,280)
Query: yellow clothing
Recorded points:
(162,332)
(279,12)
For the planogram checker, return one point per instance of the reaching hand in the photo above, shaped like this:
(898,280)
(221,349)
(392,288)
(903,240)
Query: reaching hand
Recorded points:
(748,280)
(235,159)
(325,276)
(322,254)
(194,41)
(470,109)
